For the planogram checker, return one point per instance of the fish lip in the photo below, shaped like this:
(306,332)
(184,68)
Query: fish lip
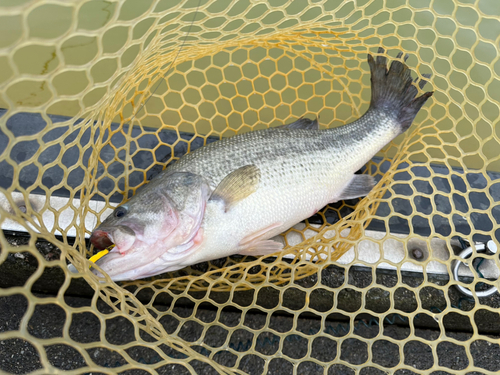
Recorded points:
(101,239)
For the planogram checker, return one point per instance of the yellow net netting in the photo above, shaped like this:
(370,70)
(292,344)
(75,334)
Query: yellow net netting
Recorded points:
(99,96)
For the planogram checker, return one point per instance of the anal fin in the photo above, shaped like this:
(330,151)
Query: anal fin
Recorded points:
(360,186)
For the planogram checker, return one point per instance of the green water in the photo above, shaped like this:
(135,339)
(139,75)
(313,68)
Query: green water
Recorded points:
(288,87)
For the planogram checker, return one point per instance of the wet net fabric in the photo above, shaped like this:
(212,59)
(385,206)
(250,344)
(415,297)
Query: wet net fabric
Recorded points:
(98,96)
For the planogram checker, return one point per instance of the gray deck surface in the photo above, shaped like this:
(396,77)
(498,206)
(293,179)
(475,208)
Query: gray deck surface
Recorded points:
(18,356)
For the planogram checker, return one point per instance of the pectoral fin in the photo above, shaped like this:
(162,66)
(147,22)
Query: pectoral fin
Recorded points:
(360,185)
(237,185)
(258,243)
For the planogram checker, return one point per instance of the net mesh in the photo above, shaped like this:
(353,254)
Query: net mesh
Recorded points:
(100,95)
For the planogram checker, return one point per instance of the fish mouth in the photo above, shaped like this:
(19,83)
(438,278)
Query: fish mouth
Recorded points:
(101,239)
(122,237)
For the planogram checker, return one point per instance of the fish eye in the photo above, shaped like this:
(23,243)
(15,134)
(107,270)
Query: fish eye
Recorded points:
(120,211)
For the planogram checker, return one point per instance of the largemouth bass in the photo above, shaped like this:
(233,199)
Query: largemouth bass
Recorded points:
(232,196)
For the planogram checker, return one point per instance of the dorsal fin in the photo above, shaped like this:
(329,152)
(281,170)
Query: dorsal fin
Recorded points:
(302,123)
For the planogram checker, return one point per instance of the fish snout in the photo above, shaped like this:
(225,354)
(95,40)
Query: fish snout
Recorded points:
(100,239)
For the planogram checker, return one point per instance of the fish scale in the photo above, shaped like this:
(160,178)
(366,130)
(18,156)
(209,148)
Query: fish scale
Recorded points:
(232,196)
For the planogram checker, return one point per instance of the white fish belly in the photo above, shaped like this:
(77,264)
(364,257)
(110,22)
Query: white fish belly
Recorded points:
(275,207)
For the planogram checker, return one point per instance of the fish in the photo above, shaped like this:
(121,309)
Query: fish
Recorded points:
(234,195)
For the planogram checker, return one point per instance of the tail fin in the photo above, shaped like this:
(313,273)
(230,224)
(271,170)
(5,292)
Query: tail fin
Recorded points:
(393,90)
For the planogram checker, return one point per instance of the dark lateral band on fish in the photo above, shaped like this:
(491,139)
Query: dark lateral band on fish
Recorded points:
(232,196)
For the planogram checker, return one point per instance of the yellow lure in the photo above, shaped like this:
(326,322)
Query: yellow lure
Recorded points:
(99,255)
(93,259)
